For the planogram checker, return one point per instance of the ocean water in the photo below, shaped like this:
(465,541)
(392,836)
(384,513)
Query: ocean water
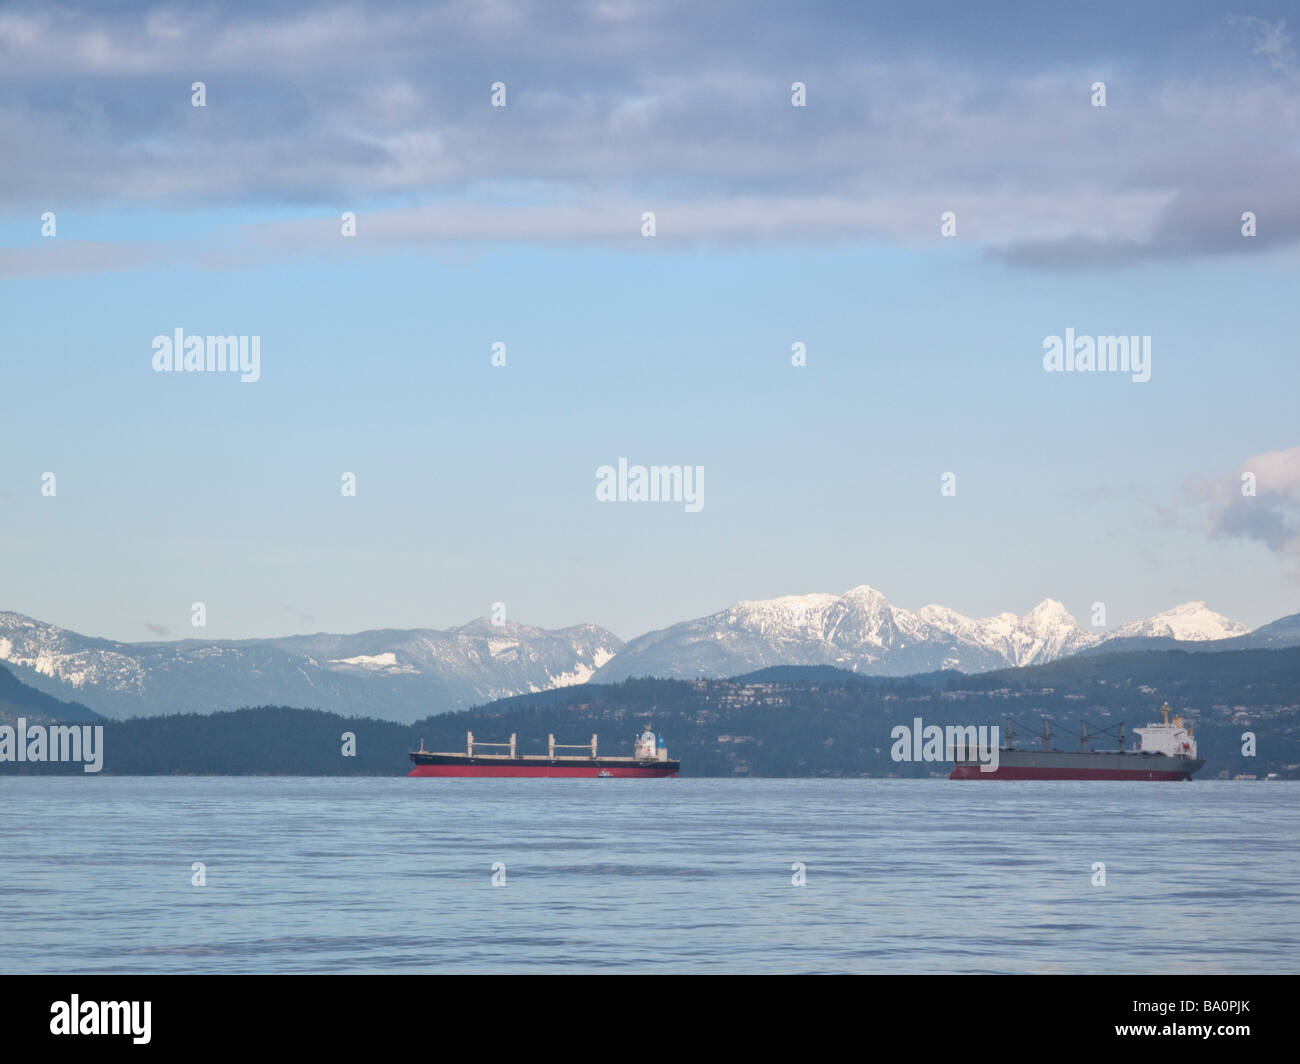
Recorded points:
(688,875)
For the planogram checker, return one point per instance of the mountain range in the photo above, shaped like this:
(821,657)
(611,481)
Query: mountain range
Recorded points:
(407,674)
(390,674)
(862,632)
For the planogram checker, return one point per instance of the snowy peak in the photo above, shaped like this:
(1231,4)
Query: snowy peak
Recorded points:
(393,674)
(1190,621)
(1048,614)
(857,630)
(407,674)
(1047,632)
(860,630)
(865,596)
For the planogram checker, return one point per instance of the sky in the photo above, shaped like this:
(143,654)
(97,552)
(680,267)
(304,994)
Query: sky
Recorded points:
(523,225)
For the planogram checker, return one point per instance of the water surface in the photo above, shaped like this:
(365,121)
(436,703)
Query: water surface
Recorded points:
(688,875)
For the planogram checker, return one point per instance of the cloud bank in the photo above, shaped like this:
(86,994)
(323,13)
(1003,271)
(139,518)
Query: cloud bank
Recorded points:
(614,108)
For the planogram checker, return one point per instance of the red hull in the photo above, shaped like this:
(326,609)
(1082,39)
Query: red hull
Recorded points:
(544,771)
(972,772)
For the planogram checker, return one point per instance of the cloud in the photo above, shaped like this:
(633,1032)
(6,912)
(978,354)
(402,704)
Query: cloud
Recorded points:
(735,221)
(62,257)
(1202,218)
(1271,41)
(159,630)
(1271,515)
(621,106)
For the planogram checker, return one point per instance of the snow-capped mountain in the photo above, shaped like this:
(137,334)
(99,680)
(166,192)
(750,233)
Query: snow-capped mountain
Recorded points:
(861,631)
(392,674)
(1190,621)
(405,675)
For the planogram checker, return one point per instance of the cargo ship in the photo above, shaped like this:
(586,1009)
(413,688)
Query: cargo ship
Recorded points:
(649,760)
(1165,751)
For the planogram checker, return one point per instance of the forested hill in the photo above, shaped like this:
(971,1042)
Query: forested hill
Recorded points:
(777,723)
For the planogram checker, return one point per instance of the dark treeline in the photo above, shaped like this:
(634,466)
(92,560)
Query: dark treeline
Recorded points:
(782,722)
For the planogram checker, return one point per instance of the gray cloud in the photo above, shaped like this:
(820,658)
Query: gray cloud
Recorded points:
(737,220)
(1271,516)
(1204,218)
(619,107)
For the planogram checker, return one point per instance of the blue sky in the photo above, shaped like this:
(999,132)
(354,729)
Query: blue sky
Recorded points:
(521,225)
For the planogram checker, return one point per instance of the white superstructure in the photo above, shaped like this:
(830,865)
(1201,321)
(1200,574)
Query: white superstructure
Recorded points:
(1169,738)
(645,746)
(649,748)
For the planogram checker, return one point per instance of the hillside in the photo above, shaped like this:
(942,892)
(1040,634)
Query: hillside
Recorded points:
(829,724)
(17,699)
